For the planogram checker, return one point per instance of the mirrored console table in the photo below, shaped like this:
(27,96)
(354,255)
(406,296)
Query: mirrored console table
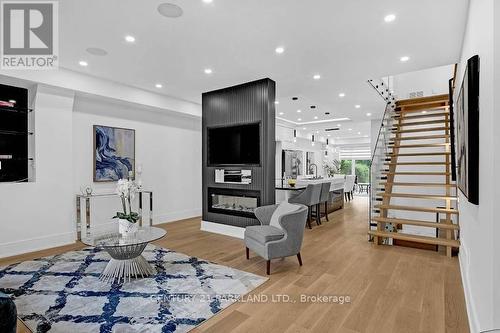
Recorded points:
(88,197)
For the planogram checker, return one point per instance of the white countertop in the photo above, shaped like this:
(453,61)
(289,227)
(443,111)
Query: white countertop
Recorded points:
(337,183)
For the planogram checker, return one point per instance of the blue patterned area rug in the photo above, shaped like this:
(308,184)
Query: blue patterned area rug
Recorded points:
(63,293)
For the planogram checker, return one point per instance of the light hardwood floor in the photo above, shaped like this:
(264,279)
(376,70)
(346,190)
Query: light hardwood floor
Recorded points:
(392,289)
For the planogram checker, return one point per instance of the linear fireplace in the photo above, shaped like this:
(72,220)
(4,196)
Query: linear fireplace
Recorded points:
(233,202)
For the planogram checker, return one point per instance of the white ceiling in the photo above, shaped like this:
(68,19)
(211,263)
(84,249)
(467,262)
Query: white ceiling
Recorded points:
(347,42)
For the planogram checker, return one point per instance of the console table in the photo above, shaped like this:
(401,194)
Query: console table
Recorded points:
(87,198)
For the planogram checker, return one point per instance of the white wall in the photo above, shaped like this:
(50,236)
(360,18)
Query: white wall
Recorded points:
(168,146)
(478,223)
(41,214)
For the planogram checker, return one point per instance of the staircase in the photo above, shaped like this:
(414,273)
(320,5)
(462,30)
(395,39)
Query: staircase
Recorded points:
(413,199)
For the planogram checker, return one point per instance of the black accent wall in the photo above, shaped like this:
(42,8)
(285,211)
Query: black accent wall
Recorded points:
(252,102)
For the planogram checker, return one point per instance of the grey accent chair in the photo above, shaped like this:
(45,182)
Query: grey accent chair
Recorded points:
(271,242)
(323,199)
(309,197)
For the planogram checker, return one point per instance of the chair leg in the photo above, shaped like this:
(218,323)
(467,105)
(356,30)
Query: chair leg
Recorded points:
(309,217)
(248,253)
(326,210)
(318,216)
(299,258)
(268,267)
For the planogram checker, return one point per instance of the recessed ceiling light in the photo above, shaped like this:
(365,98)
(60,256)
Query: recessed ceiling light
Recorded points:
(389,18)
(299,119)
(339,125)
(359,133)
(357,106)
(279,49)
(368,114)
(281,113)
(208,71)
(328,135)
(317,132)
(207,1)
(299,110)
(129,39)
(83,63)
(341,95)
(404,59)
(158,85)
(304,128)
(169,10)
(276,102)
(350,129)
(315,117)
(97,51)
(317,77)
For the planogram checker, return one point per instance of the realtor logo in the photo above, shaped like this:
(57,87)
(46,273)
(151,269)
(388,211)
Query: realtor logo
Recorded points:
(29,35)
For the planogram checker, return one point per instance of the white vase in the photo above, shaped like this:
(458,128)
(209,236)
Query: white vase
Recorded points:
(125,227)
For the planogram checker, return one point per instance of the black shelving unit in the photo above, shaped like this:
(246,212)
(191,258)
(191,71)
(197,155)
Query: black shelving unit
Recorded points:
(14,134)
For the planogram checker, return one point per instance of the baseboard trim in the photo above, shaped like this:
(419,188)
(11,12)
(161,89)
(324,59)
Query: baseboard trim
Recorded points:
(36,244)
(469,302)
(223,229)
(172,217)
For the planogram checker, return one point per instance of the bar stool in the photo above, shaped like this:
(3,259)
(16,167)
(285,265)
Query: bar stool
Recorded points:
(309,197)
(323,199)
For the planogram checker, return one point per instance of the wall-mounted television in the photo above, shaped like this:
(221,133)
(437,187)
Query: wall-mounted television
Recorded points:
(467,111)
(234,145)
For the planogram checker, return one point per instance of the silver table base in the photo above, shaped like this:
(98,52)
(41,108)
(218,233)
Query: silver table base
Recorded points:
(126,262)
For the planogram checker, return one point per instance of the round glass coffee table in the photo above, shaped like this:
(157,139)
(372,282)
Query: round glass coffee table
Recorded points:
(125,251)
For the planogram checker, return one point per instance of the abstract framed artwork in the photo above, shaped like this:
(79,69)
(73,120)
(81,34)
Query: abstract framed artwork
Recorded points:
(467,112)
(114,153)
(292,163)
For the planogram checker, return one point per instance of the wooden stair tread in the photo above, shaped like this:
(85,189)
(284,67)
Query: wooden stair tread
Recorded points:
(416,238)
(426,115)
(421,137)
(423,145)
(419,223)
(418,184)
(418,123)
(416,196)
(418,209)
(416,173)
(423,100)
(419,154)
(417,163)
(429,129)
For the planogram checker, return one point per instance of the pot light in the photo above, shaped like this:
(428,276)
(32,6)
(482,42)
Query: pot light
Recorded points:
(276,102)
(339,125)
(83,63)
(207,1)
(129,39)
(368,114)
(359,133)
(299,110)
(404,59)
(208,71)
(281,113)
(328,135)
(299,119)
(279,50)
(350,129)
(158,85)
(304,128)
(357,106)
(169,10)
(389,18)
(341,95)
(317,77)
(315,117)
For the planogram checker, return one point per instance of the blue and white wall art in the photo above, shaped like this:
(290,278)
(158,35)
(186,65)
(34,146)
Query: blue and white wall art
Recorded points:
(114,153)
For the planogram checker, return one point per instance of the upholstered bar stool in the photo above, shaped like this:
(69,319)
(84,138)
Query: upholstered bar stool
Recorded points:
(323,199)
(310,198)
